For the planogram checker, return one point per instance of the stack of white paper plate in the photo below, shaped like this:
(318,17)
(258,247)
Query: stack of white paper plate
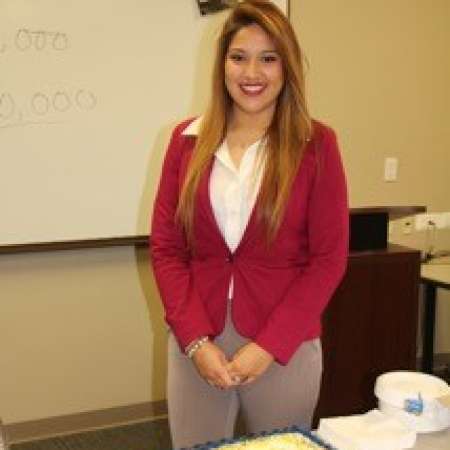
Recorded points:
(413,398)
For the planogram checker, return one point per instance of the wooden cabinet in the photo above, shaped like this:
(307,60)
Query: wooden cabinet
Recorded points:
(369,328)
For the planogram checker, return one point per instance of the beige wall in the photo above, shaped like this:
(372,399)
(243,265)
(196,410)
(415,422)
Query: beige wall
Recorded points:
(79,330)
(379,75)
(83,330)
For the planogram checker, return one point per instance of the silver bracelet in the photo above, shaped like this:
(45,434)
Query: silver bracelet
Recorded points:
(195,345)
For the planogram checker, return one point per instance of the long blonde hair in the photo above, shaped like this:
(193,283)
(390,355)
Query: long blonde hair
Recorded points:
(287,135)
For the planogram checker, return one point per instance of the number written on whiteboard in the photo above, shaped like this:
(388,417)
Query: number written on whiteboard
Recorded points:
(42,108)
(26,40)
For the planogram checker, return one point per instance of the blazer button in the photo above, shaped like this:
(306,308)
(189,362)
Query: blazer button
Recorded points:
(230,258)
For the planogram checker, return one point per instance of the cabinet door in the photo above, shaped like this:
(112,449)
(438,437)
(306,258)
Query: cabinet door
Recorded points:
(345,327)
(395,313)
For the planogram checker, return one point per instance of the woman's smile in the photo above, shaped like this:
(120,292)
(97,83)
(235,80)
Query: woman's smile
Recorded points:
(252,89)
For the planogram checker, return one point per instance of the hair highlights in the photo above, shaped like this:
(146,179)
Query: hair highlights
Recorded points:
(287,135)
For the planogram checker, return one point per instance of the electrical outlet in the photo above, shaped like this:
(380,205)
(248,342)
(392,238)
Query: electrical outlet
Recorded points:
(429,221)
(407,226)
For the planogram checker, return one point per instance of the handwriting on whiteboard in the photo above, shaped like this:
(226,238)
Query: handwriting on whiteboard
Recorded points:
(43,108)
(35,40)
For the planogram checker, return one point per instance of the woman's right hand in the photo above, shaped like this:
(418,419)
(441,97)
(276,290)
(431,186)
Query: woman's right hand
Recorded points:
(211,363)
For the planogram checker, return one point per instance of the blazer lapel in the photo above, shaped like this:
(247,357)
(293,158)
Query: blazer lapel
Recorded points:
(204,207)
(251,231)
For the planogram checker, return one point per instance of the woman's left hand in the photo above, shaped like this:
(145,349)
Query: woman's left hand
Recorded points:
(249,363)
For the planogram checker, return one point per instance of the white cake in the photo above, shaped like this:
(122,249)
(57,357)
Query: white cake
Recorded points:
(279,441)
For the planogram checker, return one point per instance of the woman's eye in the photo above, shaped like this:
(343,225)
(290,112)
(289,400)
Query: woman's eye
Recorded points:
(236,57)
(269,58)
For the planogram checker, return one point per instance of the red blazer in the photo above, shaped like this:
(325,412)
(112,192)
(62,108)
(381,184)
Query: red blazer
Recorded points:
(280,291)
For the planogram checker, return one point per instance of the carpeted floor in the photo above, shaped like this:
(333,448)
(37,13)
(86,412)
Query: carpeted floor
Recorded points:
(149,435)
(152,435)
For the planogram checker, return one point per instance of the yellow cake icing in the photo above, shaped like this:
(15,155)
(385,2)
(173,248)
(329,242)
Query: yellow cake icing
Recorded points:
(283,441)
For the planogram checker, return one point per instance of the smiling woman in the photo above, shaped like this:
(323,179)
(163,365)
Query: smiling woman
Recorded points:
(249,239)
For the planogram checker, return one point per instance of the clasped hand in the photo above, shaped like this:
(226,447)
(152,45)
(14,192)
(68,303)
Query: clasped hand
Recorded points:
(247,364)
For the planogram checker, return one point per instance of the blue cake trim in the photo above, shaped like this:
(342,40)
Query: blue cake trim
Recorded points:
(291,429)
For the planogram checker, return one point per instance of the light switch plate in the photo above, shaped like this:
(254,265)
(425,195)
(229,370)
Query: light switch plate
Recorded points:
(390,169)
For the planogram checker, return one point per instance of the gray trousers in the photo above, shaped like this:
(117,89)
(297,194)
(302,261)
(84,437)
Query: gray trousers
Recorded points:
(282,396)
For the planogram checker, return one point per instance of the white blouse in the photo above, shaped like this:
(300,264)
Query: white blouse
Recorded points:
(233,191)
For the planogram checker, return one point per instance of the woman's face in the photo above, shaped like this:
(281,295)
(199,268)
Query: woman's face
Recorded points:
(253,72)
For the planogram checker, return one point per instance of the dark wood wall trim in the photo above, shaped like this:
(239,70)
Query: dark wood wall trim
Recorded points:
(139,241)
(394,212)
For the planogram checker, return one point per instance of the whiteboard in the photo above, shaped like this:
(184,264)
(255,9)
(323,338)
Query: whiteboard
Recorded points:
(89,91)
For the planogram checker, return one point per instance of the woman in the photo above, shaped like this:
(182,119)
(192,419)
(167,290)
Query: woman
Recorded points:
(249,239)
